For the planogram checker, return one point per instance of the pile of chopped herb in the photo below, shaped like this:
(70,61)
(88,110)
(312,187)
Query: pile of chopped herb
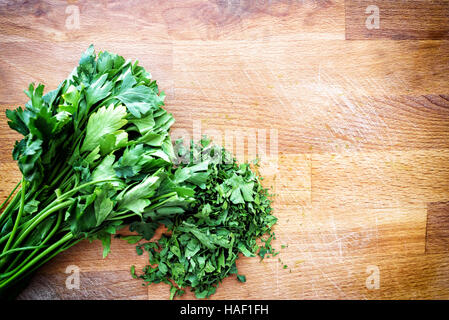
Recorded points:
(230,213)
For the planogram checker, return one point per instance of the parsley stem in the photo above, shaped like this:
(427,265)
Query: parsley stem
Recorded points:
(52,207)
(162,202)
(64,247)
(19,249)
(19,216)
(10,208)
(119,217)
(54,202)
(64,239)
(74,190)
(53,231)
(78,140)
(63,172)
(167,195)
(4,202)
(55,171)
(40,217)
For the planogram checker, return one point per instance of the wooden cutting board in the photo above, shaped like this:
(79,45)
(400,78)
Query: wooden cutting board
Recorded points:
(356,123)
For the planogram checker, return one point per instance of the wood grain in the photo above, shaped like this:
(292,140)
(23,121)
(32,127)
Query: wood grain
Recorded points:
(373,180)
(399,20)
(437,232)
(101,285)
(161,21)
(50,63)
(354,133)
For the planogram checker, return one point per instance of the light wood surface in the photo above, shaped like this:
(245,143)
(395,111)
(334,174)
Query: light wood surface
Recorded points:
(359,124)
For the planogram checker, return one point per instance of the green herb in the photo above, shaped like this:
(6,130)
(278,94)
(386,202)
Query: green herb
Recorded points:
(96,155)
(231,211)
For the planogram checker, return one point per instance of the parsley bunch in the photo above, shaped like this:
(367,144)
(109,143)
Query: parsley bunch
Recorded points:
(231,211)
(95,155)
